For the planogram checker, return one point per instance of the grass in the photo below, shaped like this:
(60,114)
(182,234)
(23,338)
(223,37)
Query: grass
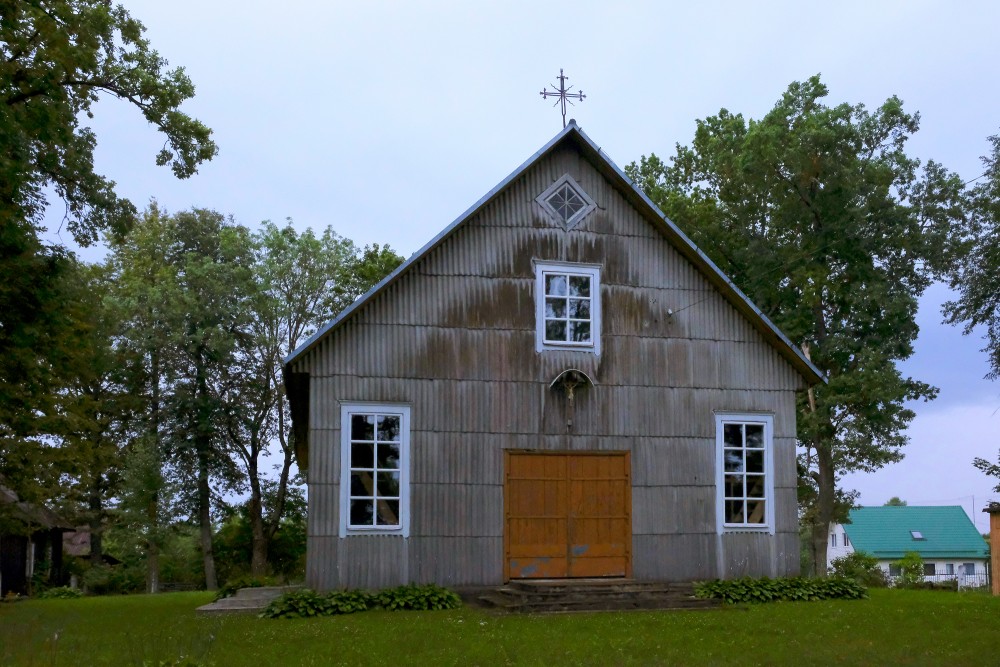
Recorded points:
(893,627)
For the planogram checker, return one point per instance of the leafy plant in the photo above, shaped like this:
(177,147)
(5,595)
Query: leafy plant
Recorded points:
(764,589)
(860,566)
(911,570)
(306,603)
(416,597)
(61,593)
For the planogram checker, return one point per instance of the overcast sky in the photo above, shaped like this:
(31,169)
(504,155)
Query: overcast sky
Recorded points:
(386,120)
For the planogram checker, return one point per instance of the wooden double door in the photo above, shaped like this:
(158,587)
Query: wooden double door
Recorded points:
(567,514)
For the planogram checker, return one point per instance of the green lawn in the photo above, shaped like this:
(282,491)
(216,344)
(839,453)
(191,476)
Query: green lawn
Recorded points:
(892,628)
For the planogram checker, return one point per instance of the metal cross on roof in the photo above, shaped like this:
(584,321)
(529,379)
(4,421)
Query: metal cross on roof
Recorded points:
(563,94)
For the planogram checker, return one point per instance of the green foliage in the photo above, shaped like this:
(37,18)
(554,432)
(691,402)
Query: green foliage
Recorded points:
(751,590)
(61,593)
(233,585)
(819,215)
(911,570)
(306,603)
(417,597)
(113,579)
(895,501)
(861,567)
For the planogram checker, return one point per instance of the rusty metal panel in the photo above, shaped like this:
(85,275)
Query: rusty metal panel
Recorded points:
(321,560)
(372,561)
(748,555)
(456,510)
(672,510)
(457,561)
(673,461)
(687,557)
(323,517)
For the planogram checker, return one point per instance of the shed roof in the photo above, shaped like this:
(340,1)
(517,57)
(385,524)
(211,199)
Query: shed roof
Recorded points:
(29,513)
(887,532)
(572,134)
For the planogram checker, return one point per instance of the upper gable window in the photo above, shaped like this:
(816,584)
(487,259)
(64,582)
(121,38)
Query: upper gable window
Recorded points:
(566,201)
(568,307)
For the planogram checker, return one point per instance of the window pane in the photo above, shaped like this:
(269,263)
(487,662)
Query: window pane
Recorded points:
(732,460)
(361,484)
(362,455)
(388,484)
(755,460)
(388,428)
(579,285)
(555,308)
(555,330)
(579,332)
(895,571)
(732,435)
(362,427)
(734,511)
(734,486)
(929,569)
(555,285)
(755,435)
(755,486)
(755,511)
(362,512)
(388,456)
(579,309)
(388,512)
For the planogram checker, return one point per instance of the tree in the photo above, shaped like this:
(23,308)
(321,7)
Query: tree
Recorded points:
(895,501)
(975,275)
(58,57)
(817,213)
(302,280)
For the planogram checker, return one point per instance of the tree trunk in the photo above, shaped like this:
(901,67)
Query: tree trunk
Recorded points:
(825,501)
(96,525)
(152,507)
(205,521)
(258,552)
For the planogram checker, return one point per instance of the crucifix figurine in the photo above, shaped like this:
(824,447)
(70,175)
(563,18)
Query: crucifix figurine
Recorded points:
(563,94)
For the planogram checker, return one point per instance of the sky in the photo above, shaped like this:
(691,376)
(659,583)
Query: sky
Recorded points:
(386,120)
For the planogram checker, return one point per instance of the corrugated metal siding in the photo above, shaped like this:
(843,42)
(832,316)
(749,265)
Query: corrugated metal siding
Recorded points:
(455,339)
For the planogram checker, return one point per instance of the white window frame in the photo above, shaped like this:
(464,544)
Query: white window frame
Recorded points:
(395,409)
(833,540)
(577,217)
(592,271)
(767,421)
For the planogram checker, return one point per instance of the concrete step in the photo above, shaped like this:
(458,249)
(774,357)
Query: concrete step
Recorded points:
(246,600)
(533,596)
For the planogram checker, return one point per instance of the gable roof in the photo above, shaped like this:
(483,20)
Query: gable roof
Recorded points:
(885,532)
(572,134)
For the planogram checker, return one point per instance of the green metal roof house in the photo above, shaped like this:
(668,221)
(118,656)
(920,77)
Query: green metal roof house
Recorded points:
(944,536)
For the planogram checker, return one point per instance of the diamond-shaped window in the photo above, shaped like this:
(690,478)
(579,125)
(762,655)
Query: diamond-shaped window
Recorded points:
(566,201)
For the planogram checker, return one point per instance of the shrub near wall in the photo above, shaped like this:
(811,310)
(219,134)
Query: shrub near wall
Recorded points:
(764,589)
(306,603)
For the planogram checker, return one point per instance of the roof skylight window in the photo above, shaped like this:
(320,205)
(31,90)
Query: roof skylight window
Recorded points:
(917,535)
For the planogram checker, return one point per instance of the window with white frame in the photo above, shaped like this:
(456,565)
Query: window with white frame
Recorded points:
(568,307)
(847,542)
(566,202)
(375,442)
(745,477)
(833,539)
(949,568)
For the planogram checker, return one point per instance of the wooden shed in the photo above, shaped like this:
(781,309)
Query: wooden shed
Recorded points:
(559,384)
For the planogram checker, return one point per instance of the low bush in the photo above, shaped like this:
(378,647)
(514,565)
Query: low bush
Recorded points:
(751,590)
(861,567)
(911,570)
(306,603)
(61,593)
(418,598)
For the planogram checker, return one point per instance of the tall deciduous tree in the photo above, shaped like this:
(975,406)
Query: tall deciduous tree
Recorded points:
(976,273)
(57,58)
(821,217)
